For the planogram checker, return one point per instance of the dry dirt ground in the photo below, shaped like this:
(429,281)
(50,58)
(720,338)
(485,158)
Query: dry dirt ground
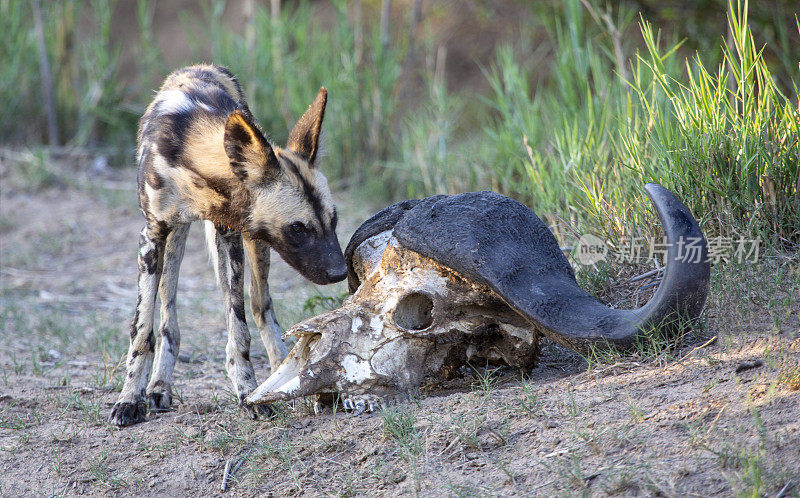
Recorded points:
(717,416)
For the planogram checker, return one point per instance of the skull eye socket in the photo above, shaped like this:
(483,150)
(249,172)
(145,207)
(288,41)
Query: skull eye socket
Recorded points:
(413,311)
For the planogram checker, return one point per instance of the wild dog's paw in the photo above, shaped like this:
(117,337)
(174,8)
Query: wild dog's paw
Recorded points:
(126,413)
(361,403)
(256,412)
(159,401)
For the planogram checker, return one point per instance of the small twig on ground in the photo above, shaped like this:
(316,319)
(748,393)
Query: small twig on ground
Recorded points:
(231,469)
(226,476)
(241,462)
(707,343)
(450,445)
(646,274)
(561,451)
(714,422)
(540,486)
(785,490)
(648,285)
(109,370)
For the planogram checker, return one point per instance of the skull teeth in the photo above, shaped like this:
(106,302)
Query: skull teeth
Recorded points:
(365,403)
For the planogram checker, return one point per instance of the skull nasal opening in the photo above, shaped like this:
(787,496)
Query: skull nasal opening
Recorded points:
(413,311)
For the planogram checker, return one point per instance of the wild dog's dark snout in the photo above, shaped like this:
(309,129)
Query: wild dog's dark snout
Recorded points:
(337,274)
(335,267)
(322,263)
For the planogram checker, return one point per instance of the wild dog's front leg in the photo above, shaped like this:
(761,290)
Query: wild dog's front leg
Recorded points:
(261,302)
(168,341)
(130,407)
(237,351)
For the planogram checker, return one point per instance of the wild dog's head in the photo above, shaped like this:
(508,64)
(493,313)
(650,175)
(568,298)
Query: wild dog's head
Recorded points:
(291,205)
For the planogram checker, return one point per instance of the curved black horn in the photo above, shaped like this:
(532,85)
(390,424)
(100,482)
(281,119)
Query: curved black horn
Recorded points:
(682,292)
(680,296)
(503,244)
(684,288)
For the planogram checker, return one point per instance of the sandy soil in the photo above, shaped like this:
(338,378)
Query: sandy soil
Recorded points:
(715,417)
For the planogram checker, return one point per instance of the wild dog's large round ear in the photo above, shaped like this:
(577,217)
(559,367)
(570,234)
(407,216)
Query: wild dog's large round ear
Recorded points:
(251,156)
(304,138)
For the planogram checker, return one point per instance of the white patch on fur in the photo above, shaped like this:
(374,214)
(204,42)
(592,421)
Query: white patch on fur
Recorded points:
(271,337)
(153,200)
(148,246)
(211,245)
(140,152)
(174,102)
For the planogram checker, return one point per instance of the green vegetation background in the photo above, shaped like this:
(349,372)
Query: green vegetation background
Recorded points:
(586,105)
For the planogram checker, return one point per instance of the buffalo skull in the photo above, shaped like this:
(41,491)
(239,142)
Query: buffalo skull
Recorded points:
(448,280)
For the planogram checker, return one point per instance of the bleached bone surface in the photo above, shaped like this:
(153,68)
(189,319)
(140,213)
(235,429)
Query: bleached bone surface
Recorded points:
(411,319)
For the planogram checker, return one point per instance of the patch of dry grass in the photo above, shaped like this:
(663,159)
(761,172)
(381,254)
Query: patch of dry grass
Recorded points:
(698,417)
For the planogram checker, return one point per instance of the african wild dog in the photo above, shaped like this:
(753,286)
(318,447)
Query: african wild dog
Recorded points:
(202,157)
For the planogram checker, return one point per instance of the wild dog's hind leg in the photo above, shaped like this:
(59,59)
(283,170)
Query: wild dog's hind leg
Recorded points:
(230,269)
(261,302)
(130,407)
(168,340)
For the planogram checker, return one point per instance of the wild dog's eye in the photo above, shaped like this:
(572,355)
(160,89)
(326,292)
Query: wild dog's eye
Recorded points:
(298,233)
